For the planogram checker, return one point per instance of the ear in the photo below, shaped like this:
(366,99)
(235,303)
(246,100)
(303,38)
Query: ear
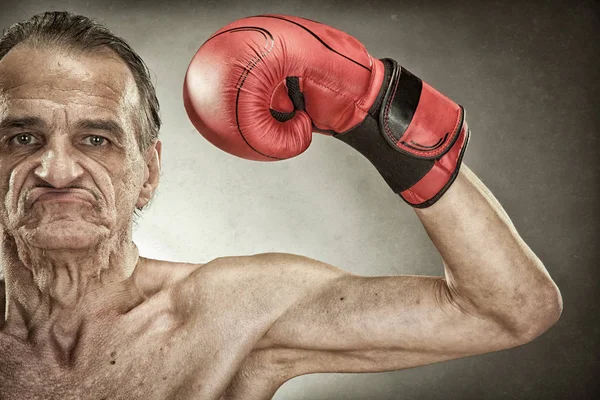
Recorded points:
(152,158)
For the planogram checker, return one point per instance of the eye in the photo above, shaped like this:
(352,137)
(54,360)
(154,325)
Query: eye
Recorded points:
(96,141)
(24,139)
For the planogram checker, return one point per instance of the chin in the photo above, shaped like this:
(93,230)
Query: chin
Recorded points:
(66,235)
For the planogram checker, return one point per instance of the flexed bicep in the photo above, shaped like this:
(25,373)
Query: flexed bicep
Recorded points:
(371,324)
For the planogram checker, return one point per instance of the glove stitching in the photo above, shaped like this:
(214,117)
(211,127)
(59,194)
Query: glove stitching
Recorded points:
(389,133)
(441,150)
(386,114)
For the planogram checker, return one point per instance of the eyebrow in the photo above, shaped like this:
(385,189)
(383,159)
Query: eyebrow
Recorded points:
(101,125)
(33,122)
(84,124)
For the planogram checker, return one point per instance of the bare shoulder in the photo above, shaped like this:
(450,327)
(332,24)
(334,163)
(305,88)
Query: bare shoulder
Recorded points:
(152,276)
(269,282)
(269,268)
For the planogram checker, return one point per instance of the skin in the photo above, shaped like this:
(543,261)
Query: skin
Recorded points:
(87,317)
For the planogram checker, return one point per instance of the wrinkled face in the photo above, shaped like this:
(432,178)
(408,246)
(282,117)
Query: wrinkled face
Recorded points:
(71,172)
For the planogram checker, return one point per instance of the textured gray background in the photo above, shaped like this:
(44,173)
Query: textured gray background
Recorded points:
(527,75)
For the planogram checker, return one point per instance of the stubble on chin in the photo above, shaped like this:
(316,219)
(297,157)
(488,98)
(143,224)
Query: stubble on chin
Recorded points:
(55,226)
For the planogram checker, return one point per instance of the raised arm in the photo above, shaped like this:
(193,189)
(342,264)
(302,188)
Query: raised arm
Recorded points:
(490,271)
(496,294)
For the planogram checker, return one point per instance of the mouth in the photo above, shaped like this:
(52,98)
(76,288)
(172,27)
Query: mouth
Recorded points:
(71,195)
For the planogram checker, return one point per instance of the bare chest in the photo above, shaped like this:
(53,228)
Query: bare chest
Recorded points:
(158,360)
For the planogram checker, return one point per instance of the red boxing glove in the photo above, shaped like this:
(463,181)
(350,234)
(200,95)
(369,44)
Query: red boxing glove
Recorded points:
(261,85)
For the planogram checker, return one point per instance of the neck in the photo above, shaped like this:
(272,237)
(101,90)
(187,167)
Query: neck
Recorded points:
(46,286)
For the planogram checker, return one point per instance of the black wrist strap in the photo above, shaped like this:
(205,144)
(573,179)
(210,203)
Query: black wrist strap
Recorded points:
(399,170)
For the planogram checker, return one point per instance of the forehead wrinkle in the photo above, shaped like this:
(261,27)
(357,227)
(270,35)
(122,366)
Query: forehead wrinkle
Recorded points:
(76,103)
(4,89)
(112,90)
(51,88)
(108,103)
(66,116)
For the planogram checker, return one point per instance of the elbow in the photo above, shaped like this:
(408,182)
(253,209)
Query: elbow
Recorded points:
(539,313)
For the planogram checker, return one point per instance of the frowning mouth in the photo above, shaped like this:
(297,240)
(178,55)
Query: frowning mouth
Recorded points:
(43,194)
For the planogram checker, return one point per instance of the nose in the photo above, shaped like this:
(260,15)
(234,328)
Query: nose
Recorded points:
(59,165)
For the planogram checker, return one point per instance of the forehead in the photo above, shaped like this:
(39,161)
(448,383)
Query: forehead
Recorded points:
(48,80)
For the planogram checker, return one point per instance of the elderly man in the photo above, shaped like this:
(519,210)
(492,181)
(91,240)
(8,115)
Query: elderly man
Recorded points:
(88,318)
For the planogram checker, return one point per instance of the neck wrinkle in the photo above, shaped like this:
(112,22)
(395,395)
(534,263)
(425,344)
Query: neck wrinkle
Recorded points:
(46,287)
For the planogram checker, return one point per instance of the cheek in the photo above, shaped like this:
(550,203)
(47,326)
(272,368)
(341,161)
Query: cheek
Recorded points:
(12,179)
(129,185)
(4,202)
